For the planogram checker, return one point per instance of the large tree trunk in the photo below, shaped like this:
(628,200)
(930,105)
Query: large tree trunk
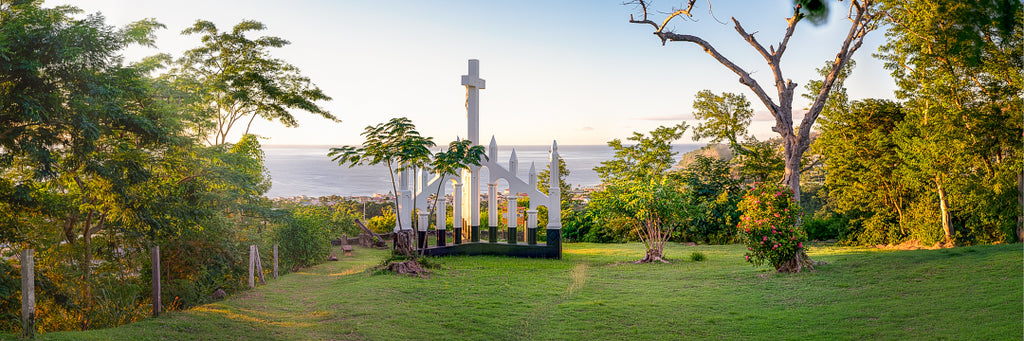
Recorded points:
(404,243)
(653,255)
(654,239)
(791,176)
(799,263)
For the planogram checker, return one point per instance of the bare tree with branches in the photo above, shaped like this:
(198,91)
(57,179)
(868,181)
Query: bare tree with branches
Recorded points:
(862,16)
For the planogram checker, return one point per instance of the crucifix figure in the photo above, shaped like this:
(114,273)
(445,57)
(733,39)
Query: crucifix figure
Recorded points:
(471,176)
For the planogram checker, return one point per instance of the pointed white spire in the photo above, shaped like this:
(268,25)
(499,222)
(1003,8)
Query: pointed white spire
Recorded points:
(492,150)
(513,163)
(533,174)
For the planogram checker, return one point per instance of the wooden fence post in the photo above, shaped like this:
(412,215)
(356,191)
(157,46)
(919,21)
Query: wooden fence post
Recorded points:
(259,266)
(275,261)
(252,265)
(28,294)
(154,259)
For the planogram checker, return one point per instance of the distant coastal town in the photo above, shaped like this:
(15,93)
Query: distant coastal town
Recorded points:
(579,193)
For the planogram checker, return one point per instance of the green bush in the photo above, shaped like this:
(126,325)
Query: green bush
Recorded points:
(697,257)
(10,297)
(831,227)
(195,268)
(768,225)
(713,197)
(303,241)
(383,223)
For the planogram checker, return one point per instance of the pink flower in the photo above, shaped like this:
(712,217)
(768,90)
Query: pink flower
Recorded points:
(776,215)
(764,238)
(800,244)
(747,257)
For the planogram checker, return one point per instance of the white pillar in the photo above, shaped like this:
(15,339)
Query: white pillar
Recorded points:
(404,209)
(531,219)
(554,192)
(423,220)
(492,204)
(531,227)
(404,195)
(441,212)
(471,195)
(513,210)
(457,206)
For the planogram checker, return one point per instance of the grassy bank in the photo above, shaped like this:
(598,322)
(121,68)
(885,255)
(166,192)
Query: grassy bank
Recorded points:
(962,293)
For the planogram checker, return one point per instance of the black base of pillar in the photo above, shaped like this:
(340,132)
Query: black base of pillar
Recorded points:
(457,234)
(421,237)
(441,237)
(531,236)
(492,234)
(512,235)
(474,234)
(555,240)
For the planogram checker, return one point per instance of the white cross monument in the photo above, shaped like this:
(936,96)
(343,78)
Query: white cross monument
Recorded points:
(466,195)
(471,176)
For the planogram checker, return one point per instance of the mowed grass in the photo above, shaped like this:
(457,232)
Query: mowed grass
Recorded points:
(595,294)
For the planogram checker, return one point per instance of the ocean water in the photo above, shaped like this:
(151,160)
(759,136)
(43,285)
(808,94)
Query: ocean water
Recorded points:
(307,170)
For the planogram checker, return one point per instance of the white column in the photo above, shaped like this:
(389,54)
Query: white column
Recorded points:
(531,219)
(457,206)
(492,204)
(513,210)
(471,195)
(554,192)
(404,209)
(441,212)
(404,202)
(423,220)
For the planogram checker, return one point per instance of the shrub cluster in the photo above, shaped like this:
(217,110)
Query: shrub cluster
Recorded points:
(768,225)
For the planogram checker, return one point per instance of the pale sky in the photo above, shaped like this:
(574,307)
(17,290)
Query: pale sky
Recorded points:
(572,71)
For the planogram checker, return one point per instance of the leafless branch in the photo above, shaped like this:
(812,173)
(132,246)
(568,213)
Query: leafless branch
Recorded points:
(863,22)
(713,14)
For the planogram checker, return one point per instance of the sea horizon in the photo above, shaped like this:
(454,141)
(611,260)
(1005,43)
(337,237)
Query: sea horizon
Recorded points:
(297,170)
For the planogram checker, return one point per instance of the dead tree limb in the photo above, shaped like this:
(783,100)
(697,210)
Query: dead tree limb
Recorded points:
(862,16)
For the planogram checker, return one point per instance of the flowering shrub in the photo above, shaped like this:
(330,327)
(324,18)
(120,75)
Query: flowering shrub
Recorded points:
(768,225)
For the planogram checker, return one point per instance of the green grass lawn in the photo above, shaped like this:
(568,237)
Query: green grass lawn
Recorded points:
(593,294)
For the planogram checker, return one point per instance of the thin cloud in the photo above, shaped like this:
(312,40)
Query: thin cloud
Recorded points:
(765,116)
(665,118)
(587,129)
